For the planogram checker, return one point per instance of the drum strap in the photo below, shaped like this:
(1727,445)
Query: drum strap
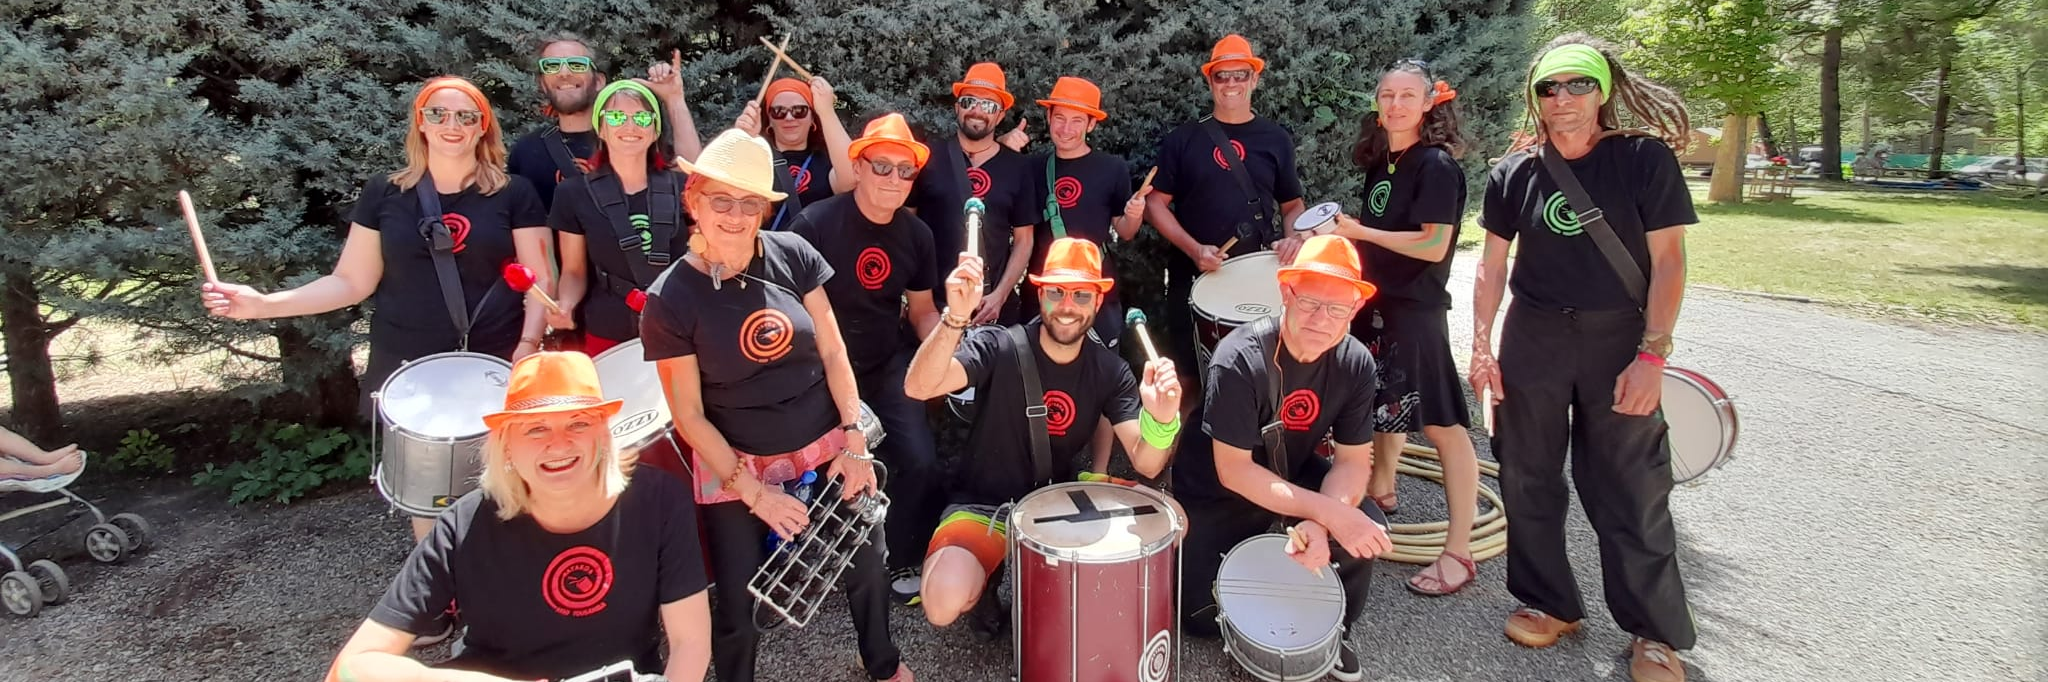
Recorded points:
(785,183)
(558,151)
(441,245)
(1034,405)
(1052,200)
(664,213)
(1254,232)
(1594,222)
(1274,433)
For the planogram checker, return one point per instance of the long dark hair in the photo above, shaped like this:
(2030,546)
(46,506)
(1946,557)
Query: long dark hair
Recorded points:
(1440,125)
(814,137)
(1659,108)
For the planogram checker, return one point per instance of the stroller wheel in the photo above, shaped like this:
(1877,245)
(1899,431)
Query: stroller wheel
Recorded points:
(50,577)
(20,594)
(139,531)
(107,543)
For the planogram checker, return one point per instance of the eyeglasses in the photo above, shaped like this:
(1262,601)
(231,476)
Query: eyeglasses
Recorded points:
(1311,307)
(785,113)
(1230,77)
(441,115)
(616,118)
(750,206)
(1581,86)
(882,168)
(980,104)
(1056,295)
(553,65)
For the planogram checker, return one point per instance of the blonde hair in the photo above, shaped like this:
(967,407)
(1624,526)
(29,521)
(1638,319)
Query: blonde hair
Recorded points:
(502,485)
(490,175)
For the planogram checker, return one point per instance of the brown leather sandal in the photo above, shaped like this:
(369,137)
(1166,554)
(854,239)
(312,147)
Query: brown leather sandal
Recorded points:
(1654,662)
(1536,629)
(1433,584)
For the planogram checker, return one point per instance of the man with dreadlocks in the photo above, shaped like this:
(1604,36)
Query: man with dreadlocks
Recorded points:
(1584,345)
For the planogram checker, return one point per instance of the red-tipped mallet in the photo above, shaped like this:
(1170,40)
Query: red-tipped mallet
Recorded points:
(637,300)
(521,279)
(198,238)
(1135,319)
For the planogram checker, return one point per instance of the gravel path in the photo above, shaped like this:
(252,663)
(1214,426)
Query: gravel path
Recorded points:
(1882,522)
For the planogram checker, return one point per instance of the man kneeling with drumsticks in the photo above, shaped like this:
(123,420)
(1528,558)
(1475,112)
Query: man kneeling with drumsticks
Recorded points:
(1075,380)
(1274,388)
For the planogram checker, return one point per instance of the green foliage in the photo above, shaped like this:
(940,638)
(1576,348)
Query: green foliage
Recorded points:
(1721,51)
(142,451)
(289,461)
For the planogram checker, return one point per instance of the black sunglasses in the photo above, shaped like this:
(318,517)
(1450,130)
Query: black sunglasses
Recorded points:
(883,168)
(782,113)
(1581,86)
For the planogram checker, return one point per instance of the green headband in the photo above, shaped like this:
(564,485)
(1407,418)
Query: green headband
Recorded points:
(605,96)
(1579,59)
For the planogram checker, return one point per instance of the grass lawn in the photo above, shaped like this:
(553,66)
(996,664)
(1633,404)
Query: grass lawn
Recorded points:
(1947,256)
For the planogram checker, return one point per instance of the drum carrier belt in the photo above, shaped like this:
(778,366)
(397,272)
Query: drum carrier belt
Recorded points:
(441,245)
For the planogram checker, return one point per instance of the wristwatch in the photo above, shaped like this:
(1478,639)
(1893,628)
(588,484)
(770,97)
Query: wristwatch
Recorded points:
(1657,344)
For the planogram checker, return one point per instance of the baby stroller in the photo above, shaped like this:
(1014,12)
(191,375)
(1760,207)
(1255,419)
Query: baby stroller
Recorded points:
(26,588)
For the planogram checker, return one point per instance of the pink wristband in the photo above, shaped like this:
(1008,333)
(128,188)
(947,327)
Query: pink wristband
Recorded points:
(1651,358)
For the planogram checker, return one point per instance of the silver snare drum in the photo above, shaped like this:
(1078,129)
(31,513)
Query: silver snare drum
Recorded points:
(623,373)
(1281,622)
(1702,424)
(430,413)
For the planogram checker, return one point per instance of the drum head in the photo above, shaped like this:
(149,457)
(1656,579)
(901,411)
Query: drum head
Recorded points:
(1246,288)
(445,395)
(623,373)
(1095,522)
(1700,431)
(1313,219)
(1275,601)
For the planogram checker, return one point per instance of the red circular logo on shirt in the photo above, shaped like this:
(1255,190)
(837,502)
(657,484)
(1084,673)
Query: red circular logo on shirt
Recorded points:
(1067,191)
(577,581)
(766,336)
(802,176)
(1059,412)
(458,227)
(978,182)
(872,267)
(1218,154)
(1300,409)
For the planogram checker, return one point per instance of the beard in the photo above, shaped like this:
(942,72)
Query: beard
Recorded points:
(1067,336)
(571,102)
(968,128)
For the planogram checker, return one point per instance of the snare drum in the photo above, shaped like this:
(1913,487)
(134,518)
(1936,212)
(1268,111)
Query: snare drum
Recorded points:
(1702,424)
(1318,219)
(642,431)
(1280,621)
(1095,575)
(431,415)
(1245,289)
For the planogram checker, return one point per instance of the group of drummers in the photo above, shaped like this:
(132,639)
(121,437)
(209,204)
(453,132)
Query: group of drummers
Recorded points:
(785,280)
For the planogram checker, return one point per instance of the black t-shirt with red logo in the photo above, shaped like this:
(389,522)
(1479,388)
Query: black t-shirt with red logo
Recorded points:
(756,345)
(810,171)
(1330,397)
(1097,383)
(530,159)
(1207,201)
(1004,185)
(886,261)
(412,320)
(1635,181)
(611,277)
(1426,186)
(1091,191)
(550,605)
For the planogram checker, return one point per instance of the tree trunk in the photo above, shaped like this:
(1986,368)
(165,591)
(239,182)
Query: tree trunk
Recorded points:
(1763,134)
(1831,106)
(2019,81)
(1941,104)
(328,380)
(1730,162)
(29,374)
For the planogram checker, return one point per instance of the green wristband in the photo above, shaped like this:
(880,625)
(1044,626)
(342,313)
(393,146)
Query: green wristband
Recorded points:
(1156,434)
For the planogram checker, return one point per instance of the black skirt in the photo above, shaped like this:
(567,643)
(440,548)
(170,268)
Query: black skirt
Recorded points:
(1419,381)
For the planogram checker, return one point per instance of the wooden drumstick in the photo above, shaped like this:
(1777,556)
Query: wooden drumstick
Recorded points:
(198,238)
(975,211)
(1147,184)
(784,56)
(1136,319)
(1225,249)
(1296,544)
(773,66)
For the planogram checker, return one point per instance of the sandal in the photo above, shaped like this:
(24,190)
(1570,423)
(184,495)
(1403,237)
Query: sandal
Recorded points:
(1388,501)
(1654,662)
(1433,584)
(1536,629)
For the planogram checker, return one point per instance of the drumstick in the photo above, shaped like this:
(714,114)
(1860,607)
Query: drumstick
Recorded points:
(1135,317)
(1147,184)
(975,209)
(772,67)
(1225,249)
(784,56)
(521,279)
(1295,538)
(198,239)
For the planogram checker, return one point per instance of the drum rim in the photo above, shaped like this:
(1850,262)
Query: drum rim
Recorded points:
(1724,412)
(1237,638)
(384,416)
(1332,207)
(1146,550)
(1328,578)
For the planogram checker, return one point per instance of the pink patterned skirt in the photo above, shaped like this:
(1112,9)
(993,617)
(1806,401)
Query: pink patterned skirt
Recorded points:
(769,469)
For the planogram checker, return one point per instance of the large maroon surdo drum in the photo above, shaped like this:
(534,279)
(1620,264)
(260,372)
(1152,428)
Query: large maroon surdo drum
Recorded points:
(1095,572)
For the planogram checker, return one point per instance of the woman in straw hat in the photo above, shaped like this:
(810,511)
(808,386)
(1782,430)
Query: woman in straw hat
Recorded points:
(562,564)
(758,379)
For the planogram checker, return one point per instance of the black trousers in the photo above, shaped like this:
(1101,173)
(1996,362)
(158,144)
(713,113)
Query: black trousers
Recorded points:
(1558,370)
(736,552)
(1179,343)
(1217,526)
(911,457)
